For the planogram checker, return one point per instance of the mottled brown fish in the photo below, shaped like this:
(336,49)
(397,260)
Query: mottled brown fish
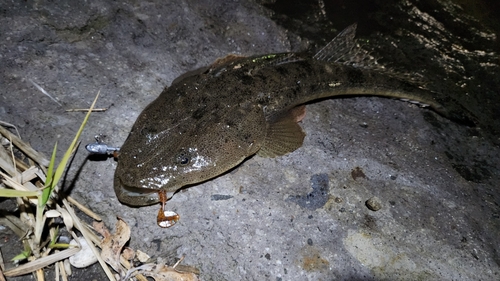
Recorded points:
(210,120)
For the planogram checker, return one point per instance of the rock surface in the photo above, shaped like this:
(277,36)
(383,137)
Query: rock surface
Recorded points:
(297,217)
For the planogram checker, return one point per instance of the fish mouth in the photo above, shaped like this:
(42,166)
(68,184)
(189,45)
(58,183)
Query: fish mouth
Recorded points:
(135,196)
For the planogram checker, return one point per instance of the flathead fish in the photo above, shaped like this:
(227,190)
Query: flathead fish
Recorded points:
(210,120)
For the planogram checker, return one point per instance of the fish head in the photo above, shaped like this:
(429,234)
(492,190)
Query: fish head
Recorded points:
(172,145)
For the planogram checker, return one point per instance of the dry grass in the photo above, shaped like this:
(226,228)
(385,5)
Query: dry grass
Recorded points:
(31,178)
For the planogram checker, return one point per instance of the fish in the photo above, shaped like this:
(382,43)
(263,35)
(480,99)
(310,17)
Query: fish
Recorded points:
(211,119)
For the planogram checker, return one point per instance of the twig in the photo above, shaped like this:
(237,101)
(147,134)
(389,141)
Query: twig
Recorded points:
(86,110)
(86,234)
(39,275)
(178,262)
(6,163)
(40,263)
(5,124)
(84,209)
(2,267)
(57,266)
(64,276)
(27,149)
(14,223)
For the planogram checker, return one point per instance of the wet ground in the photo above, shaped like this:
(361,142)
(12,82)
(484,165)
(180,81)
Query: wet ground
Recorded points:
(303,216)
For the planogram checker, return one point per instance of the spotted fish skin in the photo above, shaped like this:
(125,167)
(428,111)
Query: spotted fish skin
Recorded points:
(210,120)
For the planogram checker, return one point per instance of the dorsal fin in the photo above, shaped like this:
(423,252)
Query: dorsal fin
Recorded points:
(340,47)
(345,50)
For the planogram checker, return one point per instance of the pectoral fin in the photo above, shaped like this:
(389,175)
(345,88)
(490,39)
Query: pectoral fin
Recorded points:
(284,135)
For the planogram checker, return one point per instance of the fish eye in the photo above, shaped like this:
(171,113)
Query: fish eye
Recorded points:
(183,158)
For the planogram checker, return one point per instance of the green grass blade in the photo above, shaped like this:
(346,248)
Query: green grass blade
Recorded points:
(64,161)
(59,246)
(50,169)
(4,192)
(48,181)
(53,239)
(22,256)
(45,197)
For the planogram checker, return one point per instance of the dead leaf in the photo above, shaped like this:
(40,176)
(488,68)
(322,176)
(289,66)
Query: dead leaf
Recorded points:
(166,273)
(128,253)
(112,245)
(100,228)
(142,257)
(68,221)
